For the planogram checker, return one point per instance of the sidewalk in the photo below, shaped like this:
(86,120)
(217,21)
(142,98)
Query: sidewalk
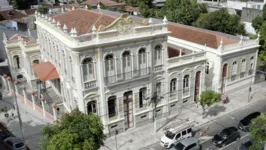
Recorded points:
(141,137)
(33,122)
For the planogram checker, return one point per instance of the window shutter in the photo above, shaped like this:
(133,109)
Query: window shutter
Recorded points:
(121,111)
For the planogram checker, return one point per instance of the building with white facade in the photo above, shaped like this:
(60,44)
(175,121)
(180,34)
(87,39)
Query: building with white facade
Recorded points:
(114,66)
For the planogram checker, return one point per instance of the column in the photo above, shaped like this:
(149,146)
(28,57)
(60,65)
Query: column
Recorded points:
(24,93)
(33,100)
(102,98)
(54,111)
(43,108)
(9,84)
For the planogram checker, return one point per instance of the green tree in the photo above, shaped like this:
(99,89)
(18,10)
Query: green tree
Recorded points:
(43,9)
(207,98)
(258,132)
(221,21)
(257,22)
(183,11)
(75,131)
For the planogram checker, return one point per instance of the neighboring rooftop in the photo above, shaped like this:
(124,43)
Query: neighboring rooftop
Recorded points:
(17,36)
(83,20)
(131,9)
(104,2)
(10,15)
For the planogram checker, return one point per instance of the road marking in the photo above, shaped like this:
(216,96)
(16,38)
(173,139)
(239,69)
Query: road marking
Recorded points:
(235,141)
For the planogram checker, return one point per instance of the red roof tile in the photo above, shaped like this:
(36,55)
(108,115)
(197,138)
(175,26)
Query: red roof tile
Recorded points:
(16,36)
(45,71)
(172,52)
(10,15)
(83,20)
(199,36)
(131,9)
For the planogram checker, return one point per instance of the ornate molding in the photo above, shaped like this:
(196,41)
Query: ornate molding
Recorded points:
(124,25)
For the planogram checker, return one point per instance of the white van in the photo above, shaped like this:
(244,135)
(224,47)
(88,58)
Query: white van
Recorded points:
(173,135)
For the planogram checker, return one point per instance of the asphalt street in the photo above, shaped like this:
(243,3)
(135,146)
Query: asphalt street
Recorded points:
(220,123)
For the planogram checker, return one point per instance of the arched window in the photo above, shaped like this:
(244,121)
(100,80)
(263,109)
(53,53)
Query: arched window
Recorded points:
(158,54)
(207,68)
(88,69)
(91,107)
(142,57)
(158,89)
(234,71)
(243,68)
(109,63)
(112,106)
(126,59)
(16,61)
(142,96)
(142,61)
(173,87)
(186,84)
(251,67)
(36,61)
(71,73)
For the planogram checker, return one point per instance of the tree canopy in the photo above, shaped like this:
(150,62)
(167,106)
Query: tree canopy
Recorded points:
(43,9)
(221,21)
(181,11)
(258,132)
(207,98)
(75,131)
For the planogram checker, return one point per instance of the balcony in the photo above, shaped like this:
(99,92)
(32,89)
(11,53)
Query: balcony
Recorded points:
(127,76)
(90,84)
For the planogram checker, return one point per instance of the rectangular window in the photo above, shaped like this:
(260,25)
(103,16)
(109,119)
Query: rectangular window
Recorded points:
(142,95)
(111,107)
(90,68)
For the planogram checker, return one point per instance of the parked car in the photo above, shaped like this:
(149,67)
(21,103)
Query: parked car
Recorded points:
(244,123)
(4,134)
(172,136)
(15,143)
(246,145)
(187,144)
(226,136)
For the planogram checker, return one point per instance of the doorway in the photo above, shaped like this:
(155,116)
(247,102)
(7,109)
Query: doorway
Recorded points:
(224,78)
(197,86)
(128,110)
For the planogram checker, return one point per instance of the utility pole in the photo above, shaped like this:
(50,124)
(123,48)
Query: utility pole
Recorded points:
(116,132)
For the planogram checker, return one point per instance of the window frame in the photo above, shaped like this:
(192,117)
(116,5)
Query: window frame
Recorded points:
(112,112)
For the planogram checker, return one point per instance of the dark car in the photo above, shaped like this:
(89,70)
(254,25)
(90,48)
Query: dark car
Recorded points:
(4,134)
(244,123)
(246,145)
(226,136)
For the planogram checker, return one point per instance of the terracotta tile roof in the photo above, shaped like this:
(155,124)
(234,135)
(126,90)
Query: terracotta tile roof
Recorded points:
(104,2)
(199,36)
(172,52)
(16,36)
(83,20)
(45,71)
(131,9)
(10,15)
(31,42)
